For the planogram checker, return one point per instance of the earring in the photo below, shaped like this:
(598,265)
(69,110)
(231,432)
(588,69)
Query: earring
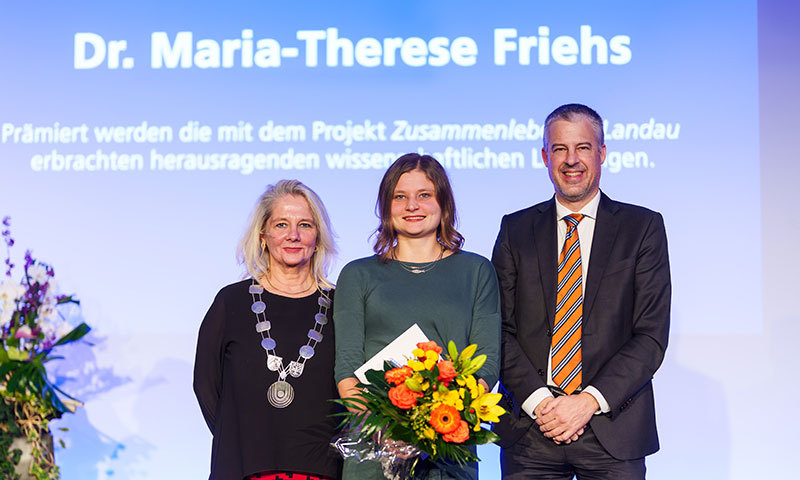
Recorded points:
(263,245)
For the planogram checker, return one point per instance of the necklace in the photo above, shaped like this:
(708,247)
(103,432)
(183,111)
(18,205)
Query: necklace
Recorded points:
(284,291)
(417,268)
(280,394)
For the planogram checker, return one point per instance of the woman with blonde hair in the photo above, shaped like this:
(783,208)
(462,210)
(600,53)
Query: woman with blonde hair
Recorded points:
(263,371)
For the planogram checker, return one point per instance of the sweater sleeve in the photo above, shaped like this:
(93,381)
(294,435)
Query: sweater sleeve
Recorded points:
(485,328)
(208,361)
(348,318)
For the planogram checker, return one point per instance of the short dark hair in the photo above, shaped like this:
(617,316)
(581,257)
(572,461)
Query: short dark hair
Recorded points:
(568,112)
(386,236)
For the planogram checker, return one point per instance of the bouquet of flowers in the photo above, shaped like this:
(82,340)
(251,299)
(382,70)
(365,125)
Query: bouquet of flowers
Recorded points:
(431,408)
(31,326)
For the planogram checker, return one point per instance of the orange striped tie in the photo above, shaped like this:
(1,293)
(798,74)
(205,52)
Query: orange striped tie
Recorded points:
(566,344)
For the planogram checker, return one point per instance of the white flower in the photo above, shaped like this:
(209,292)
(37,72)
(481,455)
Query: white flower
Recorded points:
(11,290)
(48,328)
(62,329)
(52,287)
(10,293)
(47,310)
(38,274)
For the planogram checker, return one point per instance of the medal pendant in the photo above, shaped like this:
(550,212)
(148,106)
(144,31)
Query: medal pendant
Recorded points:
(280,394)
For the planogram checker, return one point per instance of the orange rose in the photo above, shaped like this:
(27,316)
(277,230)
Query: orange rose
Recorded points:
(447,371)
(398,375)
(445,418)
(459,435)
(402,397)
(430,346)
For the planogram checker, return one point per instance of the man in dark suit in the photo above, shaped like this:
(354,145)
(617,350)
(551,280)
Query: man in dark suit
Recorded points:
(585,290)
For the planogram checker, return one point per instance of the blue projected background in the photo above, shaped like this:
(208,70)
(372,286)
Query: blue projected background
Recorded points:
(171,118)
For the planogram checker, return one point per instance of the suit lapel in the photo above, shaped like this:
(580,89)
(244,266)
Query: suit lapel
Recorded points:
(605,232)
(546,241)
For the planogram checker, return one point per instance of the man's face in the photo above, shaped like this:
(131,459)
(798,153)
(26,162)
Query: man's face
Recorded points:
(574,158)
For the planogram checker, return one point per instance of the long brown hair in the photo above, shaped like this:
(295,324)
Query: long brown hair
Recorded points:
(446,234)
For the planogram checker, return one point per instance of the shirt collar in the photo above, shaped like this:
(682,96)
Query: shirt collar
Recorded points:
(588,210)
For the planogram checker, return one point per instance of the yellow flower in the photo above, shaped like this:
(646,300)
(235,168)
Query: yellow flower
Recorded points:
(467,353)
(431,358)
(416,365)
(475,389)
(475,364)
(418,352)
(449,397)
(486,407)
(429,433)
(461,392)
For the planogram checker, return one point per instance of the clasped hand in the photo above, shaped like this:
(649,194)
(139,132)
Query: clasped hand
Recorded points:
(564,418)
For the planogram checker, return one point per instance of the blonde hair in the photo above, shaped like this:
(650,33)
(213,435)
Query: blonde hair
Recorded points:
(256,260)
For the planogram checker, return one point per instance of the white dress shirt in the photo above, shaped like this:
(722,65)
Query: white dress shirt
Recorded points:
(585,236)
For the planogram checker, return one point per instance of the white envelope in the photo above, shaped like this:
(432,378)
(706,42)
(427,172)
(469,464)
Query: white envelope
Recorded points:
(397,352)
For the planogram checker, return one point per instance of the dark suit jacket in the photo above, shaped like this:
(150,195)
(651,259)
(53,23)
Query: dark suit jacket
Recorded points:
(625,317)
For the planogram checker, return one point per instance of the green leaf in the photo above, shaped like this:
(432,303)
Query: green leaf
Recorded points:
(68,299)
(76,334)
(375,377)
(25,378)
(467,398)
(468,416)
(16,354)
(481,437)
(62,392)
(353,402)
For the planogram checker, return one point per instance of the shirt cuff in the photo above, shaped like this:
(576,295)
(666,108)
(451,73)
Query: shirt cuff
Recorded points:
(601,400)
(534,399)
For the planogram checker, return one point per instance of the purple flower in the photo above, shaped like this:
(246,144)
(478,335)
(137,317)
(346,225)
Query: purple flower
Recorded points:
(28,259)
(7,232)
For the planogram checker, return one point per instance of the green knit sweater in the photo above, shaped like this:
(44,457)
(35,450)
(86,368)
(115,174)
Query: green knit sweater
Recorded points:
(456,300)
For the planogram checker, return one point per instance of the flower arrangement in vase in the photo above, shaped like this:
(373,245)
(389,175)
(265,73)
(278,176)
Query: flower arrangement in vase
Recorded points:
(31,328)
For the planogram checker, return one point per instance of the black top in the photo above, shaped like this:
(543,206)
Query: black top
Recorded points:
(231,381)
